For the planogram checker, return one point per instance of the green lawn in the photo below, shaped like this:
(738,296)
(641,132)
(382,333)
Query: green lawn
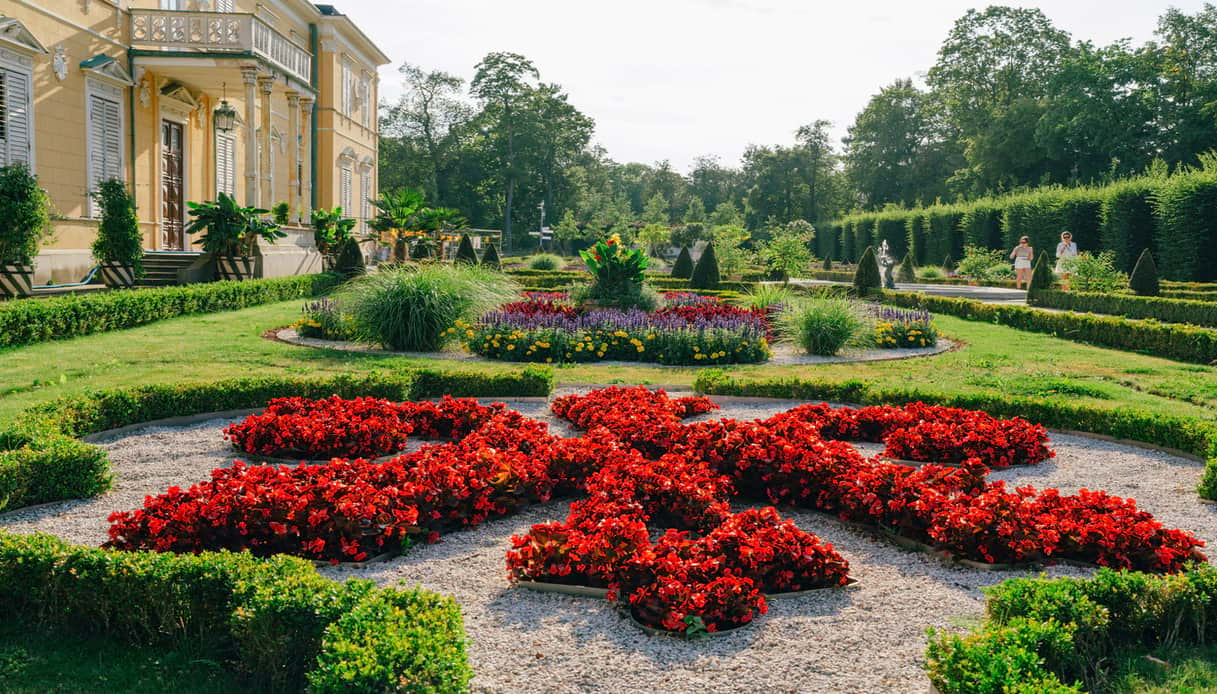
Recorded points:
(33,662)
(209,347)
(1186,671)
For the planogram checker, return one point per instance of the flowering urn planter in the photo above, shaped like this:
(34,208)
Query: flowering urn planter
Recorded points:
(117,274)
(16,280)
(236,267)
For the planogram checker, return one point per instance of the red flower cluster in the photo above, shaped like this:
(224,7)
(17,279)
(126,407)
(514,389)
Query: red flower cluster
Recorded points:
(541,304)
(642,468)
(363,427)
(701,311)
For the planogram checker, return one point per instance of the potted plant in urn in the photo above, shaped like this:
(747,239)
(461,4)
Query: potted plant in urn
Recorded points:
(119,246)
(330,232)
(231,234)
(25,220)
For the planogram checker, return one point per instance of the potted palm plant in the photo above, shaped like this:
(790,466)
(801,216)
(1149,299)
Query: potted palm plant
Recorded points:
(231,234)
(25,220)
(395,212)
(119,246)
(330,232)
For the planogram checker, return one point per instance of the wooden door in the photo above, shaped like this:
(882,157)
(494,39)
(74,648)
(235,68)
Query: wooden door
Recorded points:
(173,213)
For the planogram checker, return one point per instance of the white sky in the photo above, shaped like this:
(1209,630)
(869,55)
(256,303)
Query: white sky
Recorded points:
(674,79)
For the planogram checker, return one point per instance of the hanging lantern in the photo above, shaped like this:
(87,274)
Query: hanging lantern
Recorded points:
(224,117)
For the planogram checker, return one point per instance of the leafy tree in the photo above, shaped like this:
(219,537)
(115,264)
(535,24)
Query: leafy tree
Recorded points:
(1144,277)
(656,210)
(785,256)
(655,238)
(866,277)
(429,114)
(683,267)
(730,256)
(726,214)
(714,184)
(705,272)
(501,82)
(696,212)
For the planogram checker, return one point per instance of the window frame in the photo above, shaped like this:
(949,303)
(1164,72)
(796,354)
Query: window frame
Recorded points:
(97,89)
(23,66)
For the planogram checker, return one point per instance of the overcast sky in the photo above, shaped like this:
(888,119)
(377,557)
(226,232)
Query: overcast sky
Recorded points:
(675,79)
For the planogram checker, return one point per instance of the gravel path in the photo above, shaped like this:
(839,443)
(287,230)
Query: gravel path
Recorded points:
(869,638)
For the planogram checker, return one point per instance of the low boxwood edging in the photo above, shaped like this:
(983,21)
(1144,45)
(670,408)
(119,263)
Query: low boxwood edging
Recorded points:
(42,460)
(276,621)
(1168,310)
(29,321)
(1192,436)
(1057,636)
(1169,340)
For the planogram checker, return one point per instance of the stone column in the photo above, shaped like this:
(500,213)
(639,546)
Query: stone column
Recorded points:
(266,84)
(306,189)
(249,74)
(293,139)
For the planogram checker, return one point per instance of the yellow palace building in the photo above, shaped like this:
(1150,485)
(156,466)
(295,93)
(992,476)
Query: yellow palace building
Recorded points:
(272,102)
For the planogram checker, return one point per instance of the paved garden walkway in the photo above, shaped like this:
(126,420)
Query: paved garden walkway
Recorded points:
(989,295)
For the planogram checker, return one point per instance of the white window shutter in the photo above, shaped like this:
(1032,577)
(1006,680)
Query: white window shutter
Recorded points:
(17,127)
(105,140)
(226,160)
(344,197)
(226,6)
(365,193)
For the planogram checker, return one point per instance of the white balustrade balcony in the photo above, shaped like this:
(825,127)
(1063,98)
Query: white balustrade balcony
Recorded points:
(219,32)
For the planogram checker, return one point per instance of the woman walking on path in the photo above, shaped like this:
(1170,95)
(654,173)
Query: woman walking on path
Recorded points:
(1022,255)
(1066,251)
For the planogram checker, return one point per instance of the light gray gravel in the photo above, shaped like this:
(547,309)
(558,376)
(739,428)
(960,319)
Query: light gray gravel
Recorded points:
(870,638)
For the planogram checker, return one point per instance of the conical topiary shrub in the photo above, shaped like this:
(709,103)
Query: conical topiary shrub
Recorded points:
(705,273)
(948,263)
(490,257)
(684,264)
(349,261)
(1041,276)
(421,251)
(827,263)
(465,252)
(866,277)
(906,272)
(1144,277)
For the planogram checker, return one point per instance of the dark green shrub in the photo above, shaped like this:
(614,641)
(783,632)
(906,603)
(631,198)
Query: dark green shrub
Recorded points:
(705,272)
(279,212)
(981,224)
(1041,275)
(421,250)
(490,257)
(1127,219)
(866,277)
(849,242)
(60,317)
(465,252)
(1186,234)
(25,217)
(1144,277)
(943,236)
(916,227)
(119,239)
(906,272)
(827,264)
(891,227)
(1167,310)
(948,263)
(683,267)
(864,231)
(349,261)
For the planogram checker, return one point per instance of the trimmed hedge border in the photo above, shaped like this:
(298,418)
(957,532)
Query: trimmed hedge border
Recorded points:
(43,460)
(280,623)
(1186,434)
(1053,636)
(1169,310)
(27,321)
(1168,340)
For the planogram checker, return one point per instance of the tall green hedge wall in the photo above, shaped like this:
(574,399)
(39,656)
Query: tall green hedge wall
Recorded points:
(1173,216)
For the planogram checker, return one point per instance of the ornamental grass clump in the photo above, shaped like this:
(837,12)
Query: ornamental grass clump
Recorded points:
(412,308)
(545,261)
(823,325)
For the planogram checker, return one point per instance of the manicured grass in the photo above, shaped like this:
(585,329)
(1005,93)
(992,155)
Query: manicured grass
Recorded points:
(31,662)
(1188,671)
(994,359)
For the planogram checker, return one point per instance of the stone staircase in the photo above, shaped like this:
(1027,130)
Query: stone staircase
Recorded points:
(161,267)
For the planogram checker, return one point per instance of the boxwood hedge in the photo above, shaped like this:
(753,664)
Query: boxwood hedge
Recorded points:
(1166,309)
(27,321)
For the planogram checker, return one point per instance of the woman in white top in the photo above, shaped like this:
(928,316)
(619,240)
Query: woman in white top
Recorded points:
(1065,250)
(1022,255)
